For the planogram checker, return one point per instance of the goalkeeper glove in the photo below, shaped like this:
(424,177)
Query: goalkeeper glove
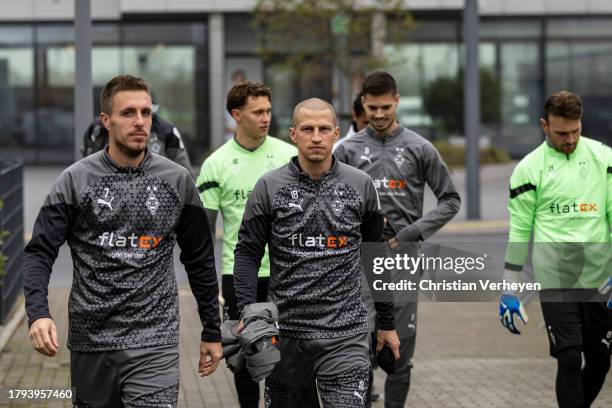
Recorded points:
(606,287)
(510,305)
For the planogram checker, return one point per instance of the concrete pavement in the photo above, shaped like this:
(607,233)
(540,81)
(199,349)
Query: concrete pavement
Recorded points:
(464,358)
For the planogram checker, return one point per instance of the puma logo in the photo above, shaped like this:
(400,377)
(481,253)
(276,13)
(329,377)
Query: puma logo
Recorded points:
(298,206)
(106,203)
(606,343)
(367,158)
(355,393)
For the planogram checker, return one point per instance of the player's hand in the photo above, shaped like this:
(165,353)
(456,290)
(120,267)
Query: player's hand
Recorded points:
(606,287)
(393,243)
(240,326)
(388,338)
(43,335)
(210,354)
(510,305)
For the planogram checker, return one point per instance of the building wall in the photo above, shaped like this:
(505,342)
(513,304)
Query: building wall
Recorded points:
(529,55)
(54,10)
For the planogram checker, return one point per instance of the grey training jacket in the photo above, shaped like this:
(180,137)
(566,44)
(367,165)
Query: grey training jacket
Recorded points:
(121,225)
(400,165)
(314,230)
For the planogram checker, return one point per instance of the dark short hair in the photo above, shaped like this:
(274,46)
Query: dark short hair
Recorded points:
(358,106)
(563,104)
(118,84)
(379,83)
(238,96)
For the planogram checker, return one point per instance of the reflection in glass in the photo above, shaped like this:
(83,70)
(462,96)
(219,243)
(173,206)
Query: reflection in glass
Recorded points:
(16,101)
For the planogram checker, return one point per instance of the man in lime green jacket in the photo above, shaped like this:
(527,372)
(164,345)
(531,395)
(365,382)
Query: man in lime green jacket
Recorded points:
(562,193)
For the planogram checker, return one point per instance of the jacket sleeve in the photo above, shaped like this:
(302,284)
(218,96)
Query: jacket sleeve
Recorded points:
(372,226)
(51,230)
(194,238)
(209,186)
(340,153)
(439,180)
(253,236)
(521,206)
(609,192)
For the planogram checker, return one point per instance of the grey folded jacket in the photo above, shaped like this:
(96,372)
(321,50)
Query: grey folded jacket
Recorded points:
(254,346)
(234,356)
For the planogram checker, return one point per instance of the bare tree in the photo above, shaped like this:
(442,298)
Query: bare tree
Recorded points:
(307,35)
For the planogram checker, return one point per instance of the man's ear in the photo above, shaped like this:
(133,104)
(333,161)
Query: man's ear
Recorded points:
(292,134)
(235,114)
(544,126)
(336,134)
(105,120)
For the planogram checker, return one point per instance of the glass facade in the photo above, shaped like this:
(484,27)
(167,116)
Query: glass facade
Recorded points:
(529,58)
(524,58)
(37,82)
(579,58)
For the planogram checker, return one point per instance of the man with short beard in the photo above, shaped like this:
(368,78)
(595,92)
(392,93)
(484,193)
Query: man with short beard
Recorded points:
(401,162)
(561,193)
(122,210)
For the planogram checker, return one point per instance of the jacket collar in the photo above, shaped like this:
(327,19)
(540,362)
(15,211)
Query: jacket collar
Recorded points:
(387,137)
(552,152)
(297,171)
(110,163)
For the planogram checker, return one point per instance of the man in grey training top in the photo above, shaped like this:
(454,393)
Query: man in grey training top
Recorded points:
(314,213)
(122,210)
(401,162)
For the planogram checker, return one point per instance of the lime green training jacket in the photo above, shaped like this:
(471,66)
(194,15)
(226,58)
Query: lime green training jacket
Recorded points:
(566,201)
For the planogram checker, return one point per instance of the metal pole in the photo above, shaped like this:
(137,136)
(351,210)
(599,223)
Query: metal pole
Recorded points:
(83,87)
(216,58)
(471,107)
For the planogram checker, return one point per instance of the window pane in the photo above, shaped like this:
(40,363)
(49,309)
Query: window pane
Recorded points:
(514,29)
(584,68)
(169,71)
(520,111)
(414,66)
(105,65)
(18,136)
(579,27)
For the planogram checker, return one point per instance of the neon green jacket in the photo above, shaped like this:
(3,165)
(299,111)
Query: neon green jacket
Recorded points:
(566,201)
(226,180)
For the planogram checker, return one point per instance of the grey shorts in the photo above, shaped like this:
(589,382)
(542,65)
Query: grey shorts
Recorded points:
(144,377)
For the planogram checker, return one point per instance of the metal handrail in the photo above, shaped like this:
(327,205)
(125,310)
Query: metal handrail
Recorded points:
(11,219)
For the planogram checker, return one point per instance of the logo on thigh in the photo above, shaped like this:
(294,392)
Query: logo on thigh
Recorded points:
(606,340)
(360,396)
(553,340)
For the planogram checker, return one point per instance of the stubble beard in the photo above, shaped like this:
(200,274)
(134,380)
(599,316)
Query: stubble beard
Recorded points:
(128,151)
